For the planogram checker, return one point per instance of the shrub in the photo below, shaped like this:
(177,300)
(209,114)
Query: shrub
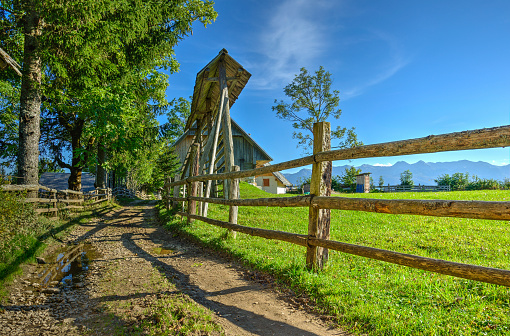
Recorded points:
(17,221)
(458,181)
(483,184)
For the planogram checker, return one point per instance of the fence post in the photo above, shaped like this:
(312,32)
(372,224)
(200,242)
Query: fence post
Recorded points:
(233,193)
(53,196)
(320,185)
(193,186)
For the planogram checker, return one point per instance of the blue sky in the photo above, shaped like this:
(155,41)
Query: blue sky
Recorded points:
(404,69)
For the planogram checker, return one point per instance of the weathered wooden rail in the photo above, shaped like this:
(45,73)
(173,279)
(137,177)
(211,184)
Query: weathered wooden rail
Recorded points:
(416,188)
(52,201)
(320,202)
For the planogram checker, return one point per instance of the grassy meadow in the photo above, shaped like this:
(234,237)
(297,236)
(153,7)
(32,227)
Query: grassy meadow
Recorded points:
(371,296)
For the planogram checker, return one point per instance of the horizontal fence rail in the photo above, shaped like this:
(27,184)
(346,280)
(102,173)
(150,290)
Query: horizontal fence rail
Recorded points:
(437,208)
(485,274)
(476,139)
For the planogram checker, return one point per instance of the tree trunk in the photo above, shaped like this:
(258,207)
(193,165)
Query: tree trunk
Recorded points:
(30,101)
(74,181)
(100,171)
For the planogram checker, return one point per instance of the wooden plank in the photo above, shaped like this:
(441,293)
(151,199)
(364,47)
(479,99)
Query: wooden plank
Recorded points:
(46,210)
(15,187)
(269,234)
(320,185)
(233,193)
(228,143)
(439,208)
(71,200)
(476,139)
(491,210)
(460,270)
(73,207)
(466,271)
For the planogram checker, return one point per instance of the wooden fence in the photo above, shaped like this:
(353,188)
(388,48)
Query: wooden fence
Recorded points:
(52,201)
(320,203)
(407,188)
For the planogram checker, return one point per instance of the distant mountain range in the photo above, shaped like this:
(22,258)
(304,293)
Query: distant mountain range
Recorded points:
(424,173)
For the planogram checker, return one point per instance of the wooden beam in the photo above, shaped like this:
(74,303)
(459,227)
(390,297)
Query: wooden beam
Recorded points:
(226,125)
(320,185)
(233,194)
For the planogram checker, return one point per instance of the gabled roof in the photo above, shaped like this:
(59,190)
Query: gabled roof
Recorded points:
(59,181)
(280,176)
(206,94)
(191,131)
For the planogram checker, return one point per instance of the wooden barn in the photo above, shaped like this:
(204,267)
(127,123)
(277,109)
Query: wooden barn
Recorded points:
(247,153)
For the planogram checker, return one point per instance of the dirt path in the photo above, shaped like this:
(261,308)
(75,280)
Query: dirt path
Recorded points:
(135,265)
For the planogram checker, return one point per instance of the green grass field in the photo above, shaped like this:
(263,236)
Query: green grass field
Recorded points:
(375,297)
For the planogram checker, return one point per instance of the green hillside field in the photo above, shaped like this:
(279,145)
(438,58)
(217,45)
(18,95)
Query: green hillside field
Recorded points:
(371,296)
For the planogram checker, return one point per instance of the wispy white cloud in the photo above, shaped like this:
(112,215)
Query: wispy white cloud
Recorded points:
(500,162)
(292,39)
(396,62)
(383,165)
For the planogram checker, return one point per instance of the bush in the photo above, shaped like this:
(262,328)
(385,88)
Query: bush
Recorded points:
(483,184)
(18,220)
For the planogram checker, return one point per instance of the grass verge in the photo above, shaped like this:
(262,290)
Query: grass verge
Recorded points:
(371,296)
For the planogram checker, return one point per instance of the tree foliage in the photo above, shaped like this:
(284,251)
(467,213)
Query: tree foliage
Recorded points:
(312,101)
(458,181)
(348,177)
(102,77)
(406,178)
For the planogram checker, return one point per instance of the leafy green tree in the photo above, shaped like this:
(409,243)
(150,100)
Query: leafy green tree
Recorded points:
(48,166)
(381,181)
(458,181)
(312,101)
(96,54)
(178,113)
(348,177)
(406,178)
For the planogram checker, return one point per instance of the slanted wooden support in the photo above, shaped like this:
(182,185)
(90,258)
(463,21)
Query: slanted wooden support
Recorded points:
(176,191)
(320,185)
(233,193)
(193,187)
(226,125)
(213,149)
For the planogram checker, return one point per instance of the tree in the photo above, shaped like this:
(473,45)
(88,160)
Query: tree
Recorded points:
(312,94)
(348,178)
(406,178)
(381,181)
(458,181)
(97,53)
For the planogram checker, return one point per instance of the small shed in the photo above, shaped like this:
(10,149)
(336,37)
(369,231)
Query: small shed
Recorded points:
(247,153)
(363,183)
(274,183)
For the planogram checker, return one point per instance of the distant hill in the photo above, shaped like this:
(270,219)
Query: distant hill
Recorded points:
(424,173)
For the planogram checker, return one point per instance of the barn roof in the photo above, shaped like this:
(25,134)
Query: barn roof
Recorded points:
(59,181)
(191,131)
(6,60)
(282,178)
(206,94)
